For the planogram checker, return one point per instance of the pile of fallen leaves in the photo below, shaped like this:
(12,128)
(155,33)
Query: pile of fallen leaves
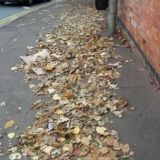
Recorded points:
(72,66)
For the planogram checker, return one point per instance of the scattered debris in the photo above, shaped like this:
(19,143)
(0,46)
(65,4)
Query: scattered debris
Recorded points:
(11,135)
(31,61)
(39,104)
(30,47)
(19,109)
(72,67)
(14,69)
(9,124)
(3,104)
(15,156)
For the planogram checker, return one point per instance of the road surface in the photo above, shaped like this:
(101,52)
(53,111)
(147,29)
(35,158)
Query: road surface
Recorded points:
(14,39)
(10,9)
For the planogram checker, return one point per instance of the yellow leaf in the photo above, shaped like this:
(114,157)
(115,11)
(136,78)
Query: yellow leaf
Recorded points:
(61,139)
(11,135)
(9,124)
(101,130)
(49,67)
(76,130)
(59,112)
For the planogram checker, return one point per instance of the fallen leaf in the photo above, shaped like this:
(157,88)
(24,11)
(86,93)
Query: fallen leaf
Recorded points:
(68,95)
(38,104)
(68,148)
(125,148)
(76,130)
(122,103)
(86,140)
(56,97)
(9,124)
(72,65)
(11,135)
(15,156)
(47,149)
(101,130)
(59,112)
(104,150)
(51,90)
(49,67)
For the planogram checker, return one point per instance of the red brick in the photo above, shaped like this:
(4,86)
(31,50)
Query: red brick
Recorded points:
(142,19)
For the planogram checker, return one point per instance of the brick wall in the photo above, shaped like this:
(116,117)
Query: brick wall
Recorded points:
(142,19)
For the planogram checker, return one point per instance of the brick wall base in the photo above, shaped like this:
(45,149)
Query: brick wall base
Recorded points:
(154,75)
(142,20)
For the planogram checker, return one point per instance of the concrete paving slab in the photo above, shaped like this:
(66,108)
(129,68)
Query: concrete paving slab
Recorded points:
(140,128)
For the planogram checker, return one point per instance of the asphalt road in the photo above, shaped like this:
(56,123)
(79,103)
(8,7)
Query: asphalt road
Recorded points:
(9,9)
(17,36)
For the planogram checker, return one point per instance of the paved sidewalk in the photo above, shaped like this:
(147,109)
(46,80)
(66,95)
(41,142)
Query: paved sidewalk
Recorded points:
(139,128)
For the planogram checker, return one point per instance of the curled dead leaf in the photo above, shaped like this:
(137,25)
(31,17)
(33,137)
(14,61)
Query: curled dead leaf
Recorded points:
(69,95)
(9,124)
(101,131)
(122,103)
(76,130)
(125,148)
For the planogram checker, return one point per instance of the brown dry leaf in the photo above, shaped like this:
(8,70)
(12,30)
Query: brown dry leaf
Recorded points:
(109,141)
(74,69)
(9,124)
(101,130)
(69,95)
(68,148)
(47,149)
(59,112)
(112,155)
(122,103)
(104,158)
(38,104)
(61,139)
(76,130)
(83,151)
(125,148)
(104,150)
(28,151)
(49,67)
(116,145)
(86,140)
(66,86)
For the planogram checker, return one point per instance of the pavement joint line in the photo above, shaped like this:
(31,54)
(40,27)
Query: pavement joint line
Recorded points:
(9,19)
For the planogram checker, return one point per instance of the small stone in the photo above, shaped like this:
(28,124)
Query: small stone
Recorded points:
(3,104)
(11,135)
